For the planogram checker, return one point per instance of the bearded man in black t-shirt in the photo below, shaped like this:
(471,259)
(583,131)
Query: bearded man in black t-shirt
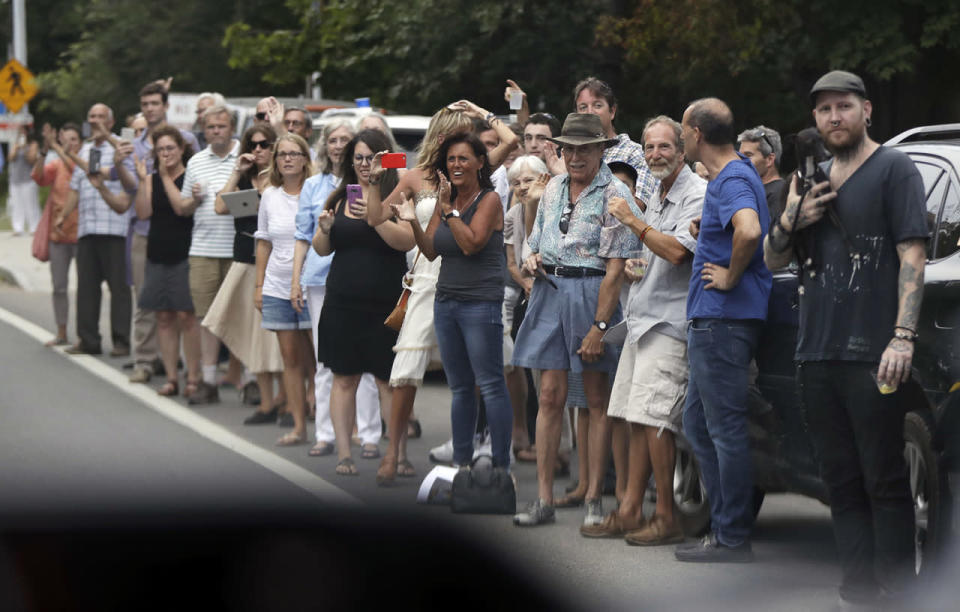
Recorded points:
(862,234)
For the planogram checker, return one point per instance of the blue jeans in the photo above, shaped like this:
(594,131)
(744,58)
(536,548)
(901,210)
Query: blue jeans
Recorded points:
(715,420)
(470,336)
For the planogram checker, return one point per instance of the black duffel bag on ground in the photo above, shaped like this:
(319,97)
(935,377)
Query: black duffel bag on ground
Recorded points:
(483,489)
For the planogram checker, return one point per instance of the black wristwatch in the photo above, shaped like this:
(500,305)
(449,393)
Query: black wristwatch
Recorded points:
(452,213)
(601,325)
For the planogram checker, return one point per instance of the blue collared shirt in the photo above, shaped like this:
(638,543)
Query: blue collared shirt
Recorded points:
(313,196)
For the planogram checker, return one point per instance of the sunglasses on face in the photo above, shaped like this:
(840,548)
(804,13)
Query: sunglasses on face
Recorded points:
(260,144)
(261,116)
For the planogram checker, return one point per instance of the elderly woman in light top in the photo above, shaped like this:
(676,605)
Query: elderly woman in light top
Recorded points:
(275,252)
(310,272)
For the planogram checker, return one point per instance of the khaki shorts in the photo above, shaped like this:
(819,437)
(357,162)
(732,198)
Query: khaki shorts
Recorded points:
(206,276)
(651,382)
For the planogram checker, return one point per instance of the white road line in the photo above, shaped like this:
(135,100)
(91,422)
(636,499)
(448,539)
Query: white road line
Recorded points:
(287,470)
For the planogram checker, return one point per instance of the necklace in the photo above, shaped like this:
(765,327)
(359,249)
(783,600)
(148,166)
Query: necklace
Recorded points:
(471,199)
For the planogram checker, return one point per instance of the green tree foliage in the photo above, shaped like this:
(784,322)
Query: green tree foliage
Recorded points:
(763,55)
(123,44)
(418,55)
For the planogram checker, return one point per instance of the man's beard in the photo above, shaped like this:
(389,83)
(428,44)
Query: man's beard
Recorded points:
(849,149)
(662,172)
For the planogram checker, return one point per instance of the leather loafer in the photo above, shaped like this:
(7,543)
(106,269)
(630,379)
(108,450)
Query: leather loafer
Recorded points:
(261,418)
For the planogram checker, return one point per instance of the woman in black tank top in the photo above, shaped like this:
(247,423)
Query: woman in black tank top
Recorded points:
(467,231)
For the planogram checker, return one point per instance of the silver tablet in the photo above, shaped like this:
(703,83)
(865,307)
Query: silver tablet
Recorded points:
(243,203)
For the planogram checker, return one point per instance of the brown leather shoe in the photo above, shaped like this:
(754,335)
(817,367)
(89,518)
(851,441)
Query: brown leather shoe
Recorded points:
(655,533)
(611,527)
(120,351)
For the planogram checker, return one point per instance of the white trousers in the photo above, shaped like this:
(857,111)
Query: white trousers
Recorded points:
(23,207)
(369,429)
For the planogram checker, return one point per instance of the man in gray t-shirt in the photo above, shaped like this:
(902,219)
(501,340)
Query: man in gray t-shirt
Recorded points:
(861,290)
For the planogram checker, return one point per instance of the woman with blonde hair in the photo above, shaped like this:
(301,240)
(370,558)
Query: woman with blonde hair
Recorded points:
(416,345)
(276,225)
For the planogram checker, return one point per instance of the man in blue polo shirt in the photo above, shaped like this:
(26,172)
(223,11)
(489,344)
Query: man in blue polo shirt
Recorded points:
(726,307)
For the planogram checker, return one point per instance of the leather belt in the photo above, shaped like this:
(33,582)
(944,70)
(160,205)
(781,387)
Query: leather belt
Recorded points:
(573,271)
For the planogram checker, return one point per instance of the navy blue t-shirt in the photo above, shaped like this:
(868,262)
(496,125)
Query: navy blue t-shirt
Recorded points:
(737,187)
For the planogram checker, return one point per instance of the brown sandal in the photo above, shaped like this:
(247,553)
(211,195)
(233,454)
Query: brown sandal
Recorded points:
(190,388)
(169,388)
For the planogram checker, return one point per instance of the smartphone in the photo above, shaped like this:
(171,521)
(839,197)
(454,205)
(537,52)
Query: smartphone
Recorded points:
(516,100)
(353,194)
(393,160)
(94,166)
(127,134)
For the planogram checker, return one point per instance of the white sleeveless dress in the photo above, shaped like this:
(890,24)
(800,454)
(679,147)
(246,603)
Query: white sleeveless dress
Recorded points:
(416,346)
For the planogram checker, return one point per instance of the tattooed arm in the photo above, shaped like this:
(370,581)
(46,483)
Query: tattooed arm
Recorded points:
(896,359)
(776,246)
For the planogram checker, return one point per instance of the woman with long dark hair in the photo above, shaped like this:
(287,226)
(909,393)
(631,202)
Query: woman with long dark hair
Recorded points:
(232,316)
(362,288)
(467,231)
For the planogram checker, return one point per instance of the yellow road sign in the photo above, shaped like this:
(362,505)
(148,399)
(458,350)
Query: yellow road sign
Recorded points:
(16,85)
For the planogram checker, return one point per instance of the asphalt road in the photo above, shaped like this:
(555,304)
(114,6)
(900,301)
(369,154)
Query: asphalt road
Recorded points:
(75,438)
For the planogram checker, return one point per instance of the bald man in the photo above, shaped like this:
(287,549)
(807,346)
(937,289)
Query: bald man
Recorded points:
(726,308)
(103,222)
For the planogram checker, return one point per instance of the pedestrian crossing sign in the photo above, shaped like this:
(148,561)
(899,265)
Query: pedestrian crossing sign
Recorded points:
(17,86)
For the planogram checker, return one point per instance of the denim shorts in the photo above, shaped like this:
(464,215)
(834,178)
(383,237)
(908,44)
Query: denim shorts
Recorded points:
(279,315)
(557,321)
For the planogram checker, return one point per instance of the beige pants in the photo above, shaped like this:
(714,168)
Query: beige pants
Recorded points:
(144,321)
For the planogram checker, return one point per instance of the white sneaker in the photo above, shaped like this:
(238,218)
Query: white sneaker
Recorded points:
(482,445)
(442,453)
(594,514)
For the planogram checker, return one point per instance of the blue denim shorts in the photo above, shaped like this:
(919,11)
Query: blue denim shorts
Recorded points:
(555,324)
(279,315)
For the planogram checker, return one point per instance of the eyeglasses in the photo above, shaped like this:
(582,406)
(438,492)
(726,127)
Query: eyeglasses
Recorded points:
(260,144)
(767,140)
(565,218)
(359,160)
(260,116)
(289,154)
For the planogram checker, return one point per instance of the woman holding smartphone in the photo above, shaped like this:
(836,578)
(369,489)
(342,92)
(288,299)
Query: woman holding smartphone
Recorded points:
(289,168)
(232,316)
(363,286)
(467,231)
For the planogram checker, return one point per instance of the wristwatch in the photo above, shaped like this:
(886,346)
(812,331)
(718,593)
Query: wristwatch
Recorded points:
(452,213)
(601,325)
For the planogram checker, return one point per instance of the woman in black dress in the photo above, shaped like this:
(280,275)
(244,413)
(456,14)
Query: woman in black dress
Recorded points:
(362,288)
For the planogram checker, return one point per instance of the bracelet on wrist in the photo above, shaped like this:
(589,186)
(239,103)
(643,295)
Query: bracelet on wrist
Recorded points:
(643,234)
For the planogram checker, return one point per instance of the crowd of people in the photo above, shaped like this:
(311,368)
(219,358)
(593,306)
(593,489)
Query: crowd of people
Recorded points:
(621,283)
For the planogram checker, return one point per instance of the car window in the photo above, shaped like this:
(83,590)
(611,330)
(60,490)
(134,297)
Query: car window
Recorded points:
(948,230)
(931,174)
(934,184)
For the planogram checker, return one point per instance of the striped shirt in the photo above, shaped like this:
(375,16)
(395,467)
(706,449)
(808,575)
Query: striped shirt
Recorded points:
(212,233)
(631,152)
(95,216)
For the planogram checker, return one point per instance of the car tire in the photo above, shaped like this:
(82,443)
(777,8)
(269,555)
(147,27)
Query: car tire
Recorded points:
(689,494)
(925,488)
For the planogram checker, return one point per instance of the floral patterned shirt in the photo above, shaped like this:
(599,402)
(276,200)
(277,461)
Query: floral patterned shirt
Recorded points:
(593,234)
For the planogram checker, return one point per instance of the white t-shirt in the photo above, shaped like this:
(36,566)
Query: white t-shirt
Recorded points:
(502,186)
(276,223)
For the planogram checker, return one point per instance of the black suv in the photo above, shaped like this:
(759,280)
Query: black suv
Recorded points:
(784,460)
